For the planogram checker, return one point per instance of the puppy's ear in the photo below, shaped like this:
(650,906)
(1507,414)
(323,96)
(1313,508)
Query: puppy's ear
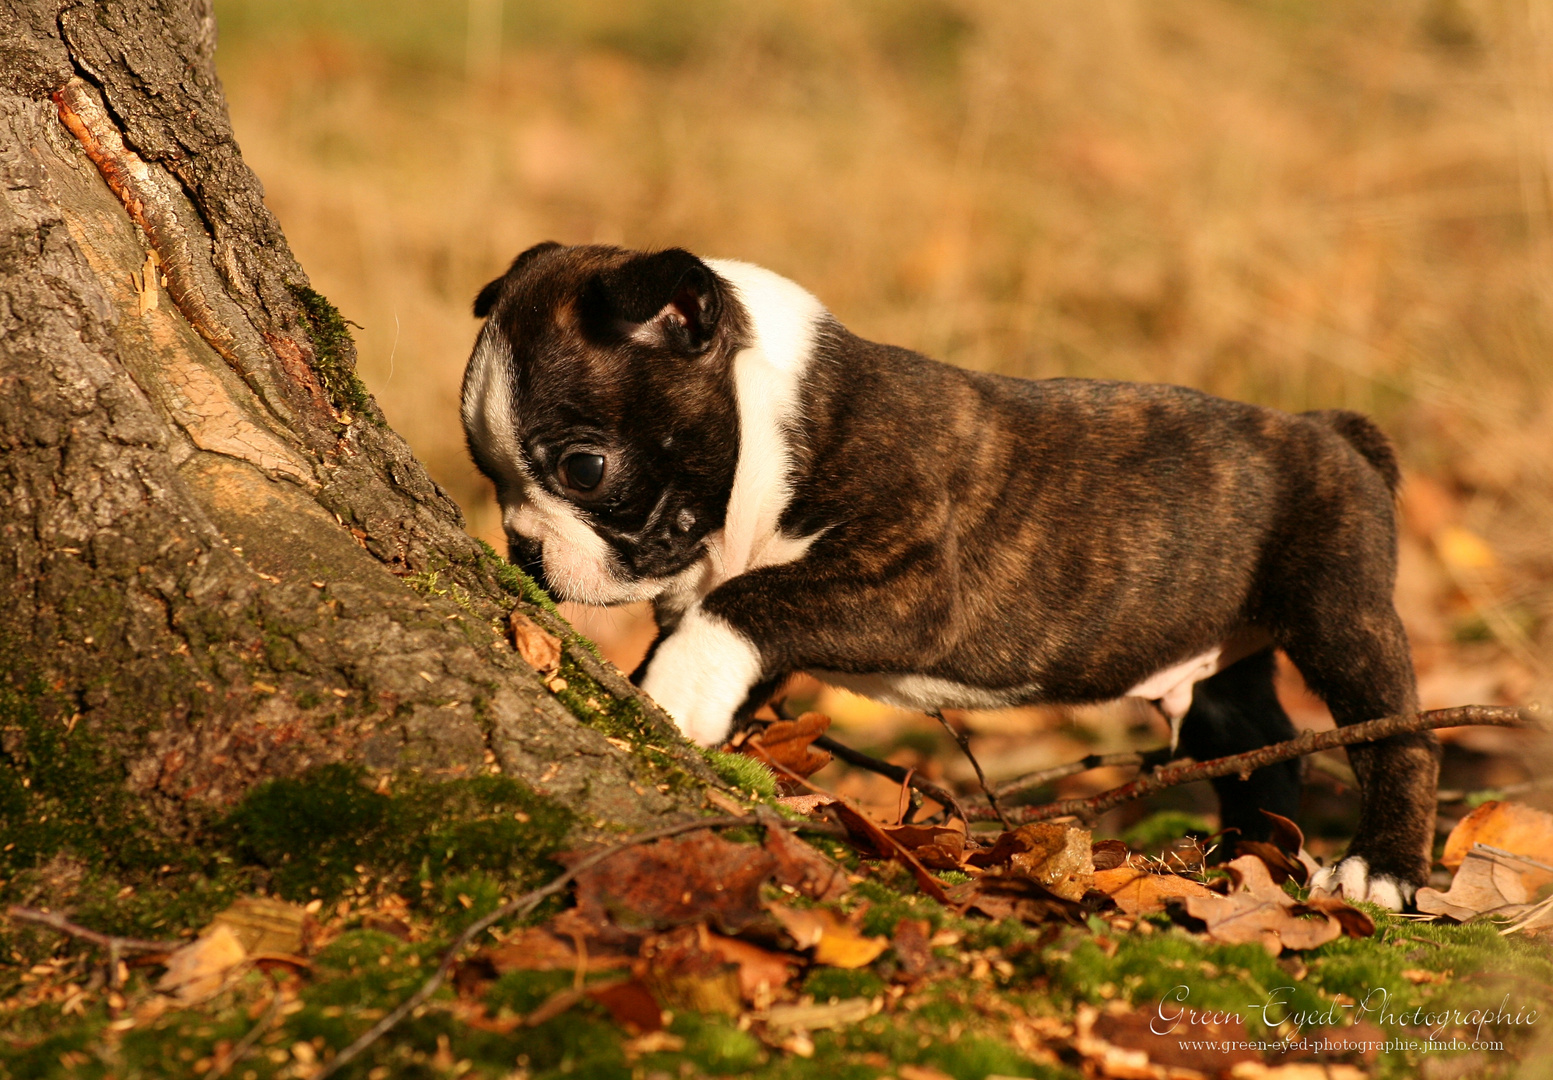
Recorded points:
(486,300)
(669,298)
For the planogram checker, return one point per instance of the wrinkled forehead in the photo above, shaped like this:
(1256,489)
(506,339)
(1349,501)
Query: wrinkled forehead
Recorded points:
(541,316)
(542,298)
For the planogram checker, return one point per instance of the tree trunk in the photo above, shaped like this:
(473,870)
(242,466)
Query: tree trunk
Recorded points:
(222,565)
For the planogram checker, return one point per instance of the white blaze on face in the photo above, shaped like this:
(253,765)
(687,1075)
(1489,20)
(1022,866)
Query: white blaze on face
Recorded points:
(578,563)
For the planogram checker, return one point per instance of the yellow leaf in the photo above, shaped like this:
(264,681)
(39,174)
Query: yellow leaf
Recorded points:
(1461,549)
(835,941)
(1138,892)
(198,970)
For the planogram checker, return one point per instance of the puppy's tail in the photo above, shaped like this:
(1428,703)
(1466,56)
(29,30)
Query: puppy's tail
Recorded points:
(1360,432)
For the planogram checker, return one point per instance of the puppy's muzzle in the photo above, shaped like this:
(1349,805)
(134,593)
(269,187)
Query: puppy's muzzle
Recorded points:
(528,555)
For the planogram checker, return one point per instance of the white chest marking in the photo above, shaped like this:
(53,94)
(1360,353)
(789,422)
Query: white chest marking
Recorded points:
(702,672)
(767,380)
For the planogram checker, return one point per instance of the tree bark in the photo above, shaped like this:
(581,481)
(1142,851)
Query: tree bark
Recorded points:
(222,565)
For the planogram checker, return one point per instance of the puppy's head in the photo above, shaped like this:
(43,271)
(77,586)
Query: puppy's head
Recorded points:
(599,400)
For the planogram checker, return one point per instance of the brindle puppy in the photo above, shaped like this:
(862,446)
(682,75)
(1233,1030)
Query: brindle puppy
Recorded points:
(704,435)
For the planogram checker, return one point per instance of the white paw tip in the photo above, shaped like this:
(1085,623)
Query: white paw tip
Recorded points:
(1351,880)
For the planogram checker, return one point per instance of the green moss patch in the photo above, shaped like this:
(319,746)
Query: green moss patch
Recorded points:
(320,834)
(59,801)
(334,353)
(742,772)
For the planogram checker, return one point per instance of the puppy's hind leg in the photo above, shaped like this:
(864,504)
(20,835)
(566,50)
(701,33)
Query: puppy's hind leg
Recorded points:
(1357,661)
(1233,712)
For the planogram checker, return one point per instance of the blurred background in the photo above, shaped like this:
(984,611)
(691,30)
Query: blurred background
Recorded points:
(1293,202)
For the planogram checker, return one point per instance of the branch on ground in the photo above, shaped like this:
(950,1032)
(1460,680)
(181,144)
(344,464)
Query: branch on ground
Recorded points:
(1243,765)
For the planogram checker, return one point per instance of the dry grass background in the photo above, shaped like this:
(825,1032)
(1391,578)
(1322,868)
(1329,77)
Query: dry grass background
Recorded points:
(1300,203)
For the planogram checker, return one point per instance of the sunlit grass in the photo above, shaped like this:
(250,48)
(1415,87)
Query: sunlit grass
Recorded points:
(1307,205)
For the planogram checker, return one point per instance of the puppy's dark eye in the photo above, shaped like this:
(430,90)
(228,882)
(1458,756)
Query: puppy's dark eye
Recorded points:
(582,472)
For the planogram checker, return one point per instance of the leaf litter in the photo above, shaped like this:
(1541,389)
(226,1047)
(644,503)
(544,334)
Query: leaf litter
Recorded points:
(715,926)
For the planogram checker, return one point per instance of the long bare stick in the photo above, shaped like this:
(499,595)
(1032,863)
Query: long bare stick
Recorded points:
(521,906)
(115,946)
(1308,742)
(1059,772)
(106,941)
(963,738)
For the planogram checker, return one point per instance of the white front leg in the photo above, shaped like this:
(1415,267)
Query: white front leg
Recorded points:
(701,674)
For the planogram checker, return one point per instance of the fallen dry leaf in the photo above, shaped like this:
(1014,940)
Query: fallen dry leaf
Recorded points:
(1108,854)
(654,1042)
(630,1004)
(934,846)
(1257,910)
(676,881)
(1138,892)
(799,865)
(198,970)
(817,1017)
(540,649)
(1055,856)
(265,925)
(1510,827)
(1489,880)
(1355,923)
(835,941)
(1280,864)
(762,973)
(870,836)
(785,745)
(998,896)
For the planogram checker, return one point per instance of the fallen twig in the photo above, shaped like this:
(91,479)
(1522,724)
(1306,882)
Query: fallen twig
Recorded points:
(1452,796)
(876,834)
(521,906)
(1308,742)
(1059,772)
(899,773)
(963,738)
(248,1041)
(116,946)
(107,941)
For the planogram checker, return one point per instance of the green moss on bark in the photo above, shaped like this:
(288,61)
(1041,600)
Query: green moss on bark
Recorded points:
(334,353)
(58,797)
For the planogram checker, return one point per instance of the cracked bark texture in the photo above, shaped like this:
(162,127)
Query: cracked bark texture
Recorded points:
(209,563)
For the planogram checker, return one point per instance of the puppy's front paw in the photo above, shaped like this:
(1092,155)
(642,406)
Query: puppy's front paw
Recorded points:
(1351,879)
(701,674)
